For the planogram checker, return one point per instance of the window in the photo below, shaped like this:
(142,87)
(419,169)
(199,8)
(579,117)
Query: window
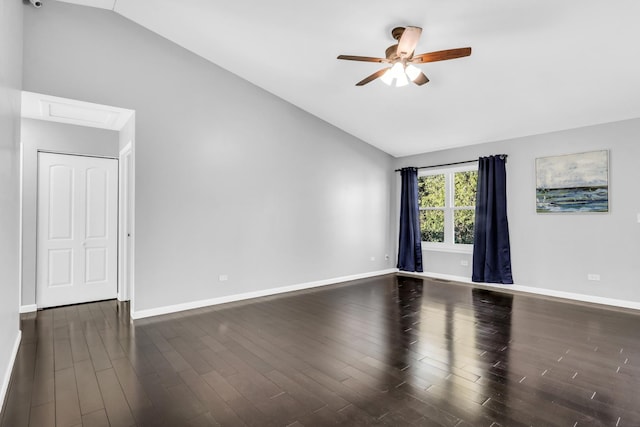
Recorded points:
(447,199)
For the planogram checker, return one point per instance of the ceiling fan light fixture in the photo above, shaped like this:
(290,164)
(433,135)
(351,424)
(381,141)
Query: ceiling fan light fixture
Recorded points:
(387,77)
(402,80)
(397,70)
(397,73)
(412,72)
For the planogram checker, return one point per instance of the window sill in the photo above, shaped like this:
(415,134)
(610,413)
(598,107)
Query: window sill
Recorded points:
(467,249)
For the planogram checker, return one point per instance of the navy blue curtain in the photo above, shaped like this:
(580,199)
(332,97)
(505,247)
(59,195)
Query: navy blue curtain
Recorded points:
(491,249)
(410,245)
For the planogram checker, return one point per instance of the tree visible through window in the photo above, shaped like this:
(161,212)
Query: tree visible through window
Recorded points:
(447,202)
(431,196)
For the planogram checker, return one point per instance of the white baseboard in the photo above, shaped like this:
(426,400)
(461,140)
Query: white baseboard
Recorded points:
(28,308)
(139,314)
(430,275)
(533,290)
(9,369)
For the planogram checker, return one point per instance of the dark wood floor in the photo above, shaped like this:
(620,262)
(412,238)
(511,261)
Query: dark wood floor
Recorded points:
(390,351)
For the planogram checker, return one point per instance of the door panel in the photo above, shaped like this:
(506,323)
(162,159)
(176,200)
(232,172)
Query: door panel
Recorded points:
(96,203)
(61,206)
(60,267)
(96,270)
(77,229)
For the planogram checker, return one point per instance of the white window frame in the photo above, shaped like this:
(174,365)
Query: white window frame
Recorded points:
(448,245)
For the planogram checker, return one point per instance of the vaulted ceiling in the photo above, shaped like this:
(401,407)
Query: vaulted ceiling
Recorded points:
(537,66)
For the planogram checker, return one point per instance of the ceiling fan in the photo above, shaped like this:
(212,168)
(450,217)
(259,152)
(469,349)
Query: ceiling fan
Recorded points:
(401,58)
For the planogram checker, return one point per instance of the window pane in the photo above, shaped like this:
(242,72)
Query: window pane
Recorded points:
(463,226)
(431,191)
(432,225)
(465,188)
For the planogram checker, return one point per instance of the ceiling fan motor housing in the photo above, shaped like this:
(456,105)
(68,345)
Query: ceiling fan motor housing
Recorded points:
(396,33)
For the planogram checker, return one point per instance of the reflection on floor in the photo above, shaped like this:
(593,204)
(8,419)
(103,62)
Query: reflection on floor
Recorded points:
(385,351)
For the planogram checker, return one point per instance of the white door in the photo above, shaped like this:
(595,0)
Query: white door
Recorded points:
(77,229)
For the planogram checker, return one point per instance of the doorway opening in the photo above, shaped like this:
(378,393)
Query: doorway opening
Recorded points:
(70,127)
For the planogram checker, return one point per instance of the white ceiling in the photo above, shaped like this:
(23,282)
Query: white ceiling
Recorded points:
(537,66)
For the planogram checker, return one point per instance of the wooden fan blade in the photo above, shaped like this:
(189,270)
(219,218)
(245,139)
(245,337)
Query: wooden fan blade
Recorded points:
(372,77)
(408,42)
(442,55)
(421,79)
(362,58)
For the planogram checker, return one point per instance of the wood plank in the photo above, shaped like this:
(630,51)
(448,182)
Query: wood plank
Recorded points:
(88,390)
(67,404)
(43,415)
(96,419)
(115,403)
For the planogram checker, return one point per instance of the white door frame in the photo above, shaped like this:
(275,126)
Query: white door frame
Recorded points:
(125,290)
(20,244)
(125,222)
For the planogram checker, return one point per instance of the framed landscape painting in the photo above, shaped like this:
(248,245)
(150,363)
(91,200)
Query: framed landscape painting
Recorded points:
(573,183)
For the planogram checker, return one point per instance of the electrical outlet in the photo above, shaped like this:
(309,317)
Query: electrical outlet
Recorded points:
(223,277)
(592,276)
(464,262)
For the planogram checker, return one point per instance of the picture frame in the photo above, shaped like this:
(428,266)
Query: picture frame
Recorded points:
(573,183)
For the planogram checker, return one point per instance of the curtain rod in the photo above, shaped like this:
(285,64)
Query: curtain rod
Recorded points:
(503,156)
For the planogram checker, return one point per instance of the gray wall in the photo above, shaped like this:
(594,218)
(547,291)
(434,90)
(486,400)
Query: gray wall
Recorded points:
(59,137)
(229,179)
(555,251)
(10,85)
